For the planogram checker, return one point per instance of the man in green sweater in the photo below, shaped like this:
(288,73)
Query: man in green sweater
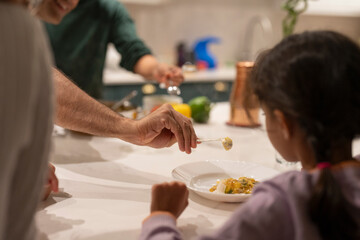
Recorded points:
(80,43)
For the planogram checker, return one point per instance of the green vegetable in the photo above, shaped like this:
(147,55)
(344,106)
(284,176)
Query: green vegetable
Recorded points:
(228,190)
(200,109)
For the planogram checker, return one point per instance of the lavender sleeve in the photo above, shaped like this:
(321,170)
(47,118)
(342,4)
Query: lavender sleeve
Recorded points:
(160,227)
(253,220)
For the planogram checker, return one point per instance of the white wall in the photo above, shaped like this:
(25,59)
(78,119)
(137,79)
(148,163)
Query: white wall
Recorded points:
(163,25)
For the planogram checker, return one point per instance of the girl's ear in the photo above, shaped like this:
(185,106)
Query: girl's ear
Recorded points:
(284,124)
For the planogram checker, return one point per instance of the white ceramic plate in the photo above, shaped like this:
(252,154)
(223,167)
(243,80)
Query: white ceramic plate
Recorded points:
(201,176)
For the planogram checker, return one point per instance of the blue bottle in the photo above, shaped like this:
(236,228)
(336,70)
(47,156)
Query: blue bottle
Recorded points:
(202,52)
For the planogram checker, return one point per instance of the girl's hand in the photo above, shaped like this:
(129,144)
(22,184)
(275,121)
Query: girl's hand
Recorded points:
(169,197)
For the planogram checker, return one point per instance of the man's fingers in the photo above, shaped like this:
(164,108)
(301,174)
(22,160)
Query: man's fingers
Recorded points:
(171,124)
(178,77)
(186,128)
(193,137)
(188,131)
(173,76)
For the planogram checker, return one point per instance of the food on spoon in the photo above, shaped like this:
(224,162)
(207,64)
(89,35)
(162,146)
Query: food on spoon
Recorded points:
(234,186)
(227,143)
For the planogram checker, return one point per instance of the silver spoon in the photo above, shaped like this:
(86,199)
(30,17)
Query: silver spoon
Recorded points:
(188,67)
(173,90)
(226,142)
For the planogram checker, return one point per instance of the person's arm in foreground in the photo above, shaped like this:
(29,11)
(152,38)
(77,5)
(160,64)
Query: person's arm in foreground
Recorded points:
(26,122)
(149,67)
(77,111)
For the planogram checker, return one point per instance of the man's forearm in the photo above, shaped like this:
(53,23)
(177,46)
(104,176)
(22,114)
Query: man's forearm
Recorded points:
(77,111)
(146,67)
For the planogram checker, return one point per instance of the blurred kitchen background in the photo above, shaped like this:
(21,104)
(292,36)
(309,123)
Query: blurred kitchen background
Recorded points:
(244,28)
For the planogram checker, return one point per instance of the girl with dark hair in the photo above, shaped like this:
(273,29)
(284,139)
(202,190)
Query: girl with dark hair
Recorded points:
(309,88)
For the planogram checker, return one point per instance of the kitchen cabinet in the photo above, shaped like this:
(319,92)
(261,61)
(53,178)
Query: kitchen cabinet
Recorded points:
(215,84)
(189,90)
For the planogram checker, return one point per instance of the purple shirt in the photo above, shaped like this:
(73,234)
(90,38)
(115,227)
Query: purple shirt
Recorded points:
(276,210)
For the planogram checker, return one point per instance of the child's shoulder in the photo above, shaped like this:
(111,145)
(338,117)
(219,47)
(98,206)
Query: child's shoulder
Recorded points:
(292,181)
(290,177)
(301,182)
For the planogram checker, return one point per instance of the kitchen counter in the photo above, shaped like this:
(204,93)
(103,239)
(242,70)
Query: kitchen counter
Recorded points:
(215,84)
(105,183)
(123,77)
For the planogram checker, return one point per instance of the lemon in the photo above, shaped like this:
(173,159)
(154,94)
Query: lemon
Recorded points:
(182,108)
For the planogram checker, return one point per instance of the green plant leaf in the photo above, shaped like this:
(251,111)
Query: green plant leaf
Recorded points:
(293,12)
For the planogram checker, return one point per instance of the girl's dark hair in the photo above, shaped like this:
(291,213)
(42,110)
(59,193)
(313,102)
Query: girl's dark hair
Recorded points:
(314,78)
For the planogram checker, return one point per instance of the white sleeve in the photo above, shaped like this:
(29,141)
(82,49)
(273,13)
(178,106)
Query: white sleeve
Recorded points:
(26,119)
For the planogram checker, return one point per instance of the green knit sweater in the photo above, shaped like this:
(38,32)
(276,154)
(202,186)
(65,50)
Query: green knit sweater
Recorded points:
(80,42)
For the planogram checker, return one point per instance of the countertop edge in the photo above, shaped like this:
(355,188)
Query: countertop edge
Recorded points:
(121,77)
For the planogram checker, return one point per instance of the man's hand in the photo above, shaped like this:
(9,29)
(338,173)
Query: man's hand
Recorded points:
(169,75)
(169,197)
(164,127)
(52,183)
(149,67)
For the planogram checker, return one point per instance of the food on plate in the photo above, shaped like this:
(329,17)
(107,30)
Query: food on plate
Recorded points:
(227,143)
(234,186)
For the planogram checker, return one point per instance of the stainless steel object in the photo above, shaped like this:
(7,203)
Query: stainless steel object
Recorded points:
(188,67)
(251,43)
(124,99)
(226,142)
(173,90)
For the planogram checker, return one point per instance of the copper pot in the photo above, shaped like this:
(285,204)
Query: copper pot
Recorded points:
(238,114)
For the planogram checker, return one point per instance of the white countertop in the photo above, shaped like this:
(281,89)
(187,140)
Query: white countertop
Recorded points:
(105,183)
(119,76)
(115,75)
(348,8)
